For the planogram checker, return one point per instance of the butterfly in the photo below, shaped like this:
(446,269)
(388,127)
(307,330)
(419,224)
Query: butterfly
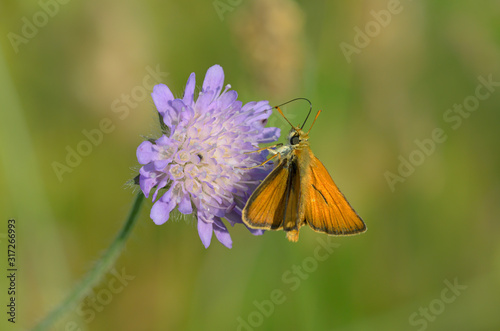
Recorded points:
(299,191)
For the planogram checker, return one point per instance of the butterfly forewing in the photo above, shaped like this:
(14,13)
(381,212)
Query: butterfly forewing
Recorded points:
(264,208)
(274,204)
(326,208)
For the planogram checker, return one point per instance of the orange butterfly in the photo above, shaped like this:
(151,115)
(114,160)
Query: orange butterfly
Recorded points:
(300,191)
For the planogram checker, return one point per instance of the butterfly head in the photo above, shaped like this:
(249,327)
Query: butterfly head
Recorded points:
(297,136)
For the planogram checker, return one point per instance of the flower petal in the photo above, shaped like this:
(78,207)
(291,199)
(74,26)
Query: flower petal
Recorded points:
(162,98)
(146,183)
(233,217)
(165,141)
(184,113)
(160,164)
(226,99)
(204,100)
(145,152)
(213,79)
(160,185)
(256,105)
(269,135)
(189,91)
(256,232)
(185,206)
(205,231)
(160,212)
(221,233)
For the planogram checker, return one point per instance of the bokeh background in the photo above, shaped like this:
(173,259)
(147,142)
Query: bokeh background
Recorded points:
(438,224)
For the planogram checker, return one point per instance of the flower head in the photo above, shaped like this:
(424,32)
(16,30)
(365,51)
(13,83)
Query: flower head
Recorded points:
(202,155)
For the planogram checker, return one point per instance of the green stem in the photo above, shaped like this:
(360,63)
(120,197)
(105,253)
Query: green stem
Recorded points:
(99,270)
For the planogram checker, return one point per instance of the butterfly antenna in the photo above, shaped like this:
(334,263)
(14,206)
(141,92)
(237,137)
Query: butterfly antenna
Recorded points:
(310,109)
(319,112)
(281,112)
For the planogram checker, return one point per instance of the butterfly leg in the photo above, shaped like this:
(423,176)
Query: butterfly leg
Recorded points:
(270,148)
(259,165)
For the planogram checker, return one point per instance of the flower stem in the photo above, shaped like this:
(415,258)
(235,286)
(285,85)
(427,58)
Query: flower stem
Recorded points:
(99,270)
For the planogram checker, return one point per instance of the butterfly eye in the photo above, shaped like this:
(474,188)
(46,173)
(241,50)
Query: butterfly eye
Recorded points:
(294,140)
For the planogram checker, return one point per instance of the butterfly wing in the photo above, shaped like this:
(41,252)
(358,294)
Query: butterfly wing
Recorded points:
(326,208)
(292,197)
(274,204)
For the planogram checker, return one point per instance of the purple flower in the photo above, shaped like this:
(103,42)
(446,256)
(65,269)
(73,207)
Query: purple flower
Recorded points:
(200,159)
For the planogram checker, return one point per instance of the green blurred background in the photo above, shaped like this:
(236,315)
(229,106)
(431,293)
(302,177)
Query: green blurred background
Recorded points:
(437,225)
